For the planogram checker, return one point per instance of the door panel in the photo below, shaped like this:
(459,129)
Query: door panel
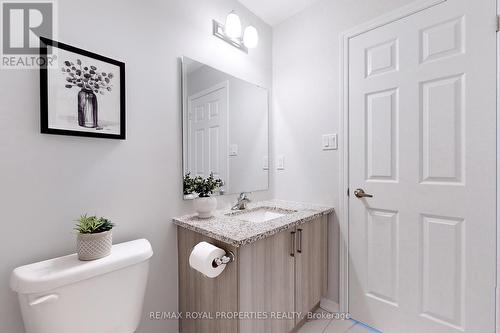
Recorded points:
(441,131)
(443,275)
(422,114)
(382,135)
(382,255)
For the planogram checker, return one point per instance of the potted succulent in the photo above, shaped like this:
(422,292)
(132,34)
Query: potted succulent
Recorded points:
(94,238)
(205,204)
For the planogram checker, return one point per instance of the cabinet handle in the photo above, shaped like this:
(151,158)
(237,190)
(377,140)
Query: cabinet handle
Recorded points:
(292,244)
(299,247)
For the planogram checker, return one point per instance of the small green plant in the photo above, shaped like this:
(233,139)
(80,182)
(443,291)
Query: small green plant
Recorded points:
(92,224)
(206,186)
(188,184)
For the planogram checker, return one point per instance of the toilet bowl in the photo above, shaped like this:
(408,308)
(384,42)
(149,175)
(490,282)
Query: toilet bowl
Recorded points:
(65,295)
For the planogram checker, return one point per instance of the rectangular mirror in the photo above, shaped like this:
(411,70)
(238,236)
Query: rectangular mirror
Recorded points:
(225,129)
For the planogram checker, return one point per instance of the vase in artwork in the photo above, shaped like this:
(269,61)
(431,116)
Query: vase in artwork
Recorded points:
(87,108)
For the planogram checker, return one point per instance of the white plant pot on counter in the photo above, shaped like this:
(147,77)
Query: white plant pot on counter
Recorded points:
(205,206)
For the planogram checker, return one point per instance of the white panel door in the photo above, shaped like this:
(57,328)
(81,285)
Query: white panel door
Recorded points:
(208,133)
(422,142)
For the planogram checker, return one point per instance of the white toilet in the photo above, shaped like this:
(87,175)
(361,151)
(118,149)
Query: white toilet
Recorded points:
(65,295)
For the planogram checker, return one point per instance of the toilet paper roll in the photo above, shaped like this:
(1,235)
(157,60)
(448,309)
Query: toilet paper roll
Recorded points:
(203,255)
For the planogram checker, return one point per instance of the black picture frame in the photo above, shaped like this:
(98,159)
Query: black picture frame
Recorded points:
(45,45)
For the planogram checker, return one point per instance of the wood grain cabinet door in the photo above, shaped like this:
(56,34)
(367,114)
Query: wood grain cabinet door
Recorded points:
(267,283)
(201,295)
(310,264)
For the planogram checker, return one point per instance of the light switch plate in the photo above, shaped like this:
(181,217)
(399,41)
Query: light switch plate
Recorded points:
(233,150)
(324,141)
(329,142)
(280,162)
(333,142)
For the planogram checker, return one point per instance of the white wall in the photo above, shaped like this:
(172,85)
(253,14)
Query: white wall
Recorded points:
(47,181)
(306,103)
(248,114)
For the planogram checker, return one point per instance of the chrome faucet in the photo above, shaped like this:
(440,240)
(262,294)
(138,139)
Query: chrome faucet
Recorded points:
(242,202)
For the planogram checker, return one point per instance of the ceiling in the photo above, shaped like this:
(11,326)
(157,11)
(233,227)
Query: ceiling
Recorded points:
(274,12)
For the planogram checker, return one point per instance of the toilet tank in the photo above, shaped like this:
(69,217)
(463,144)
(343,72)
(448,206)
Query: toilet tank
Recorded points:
(66,295)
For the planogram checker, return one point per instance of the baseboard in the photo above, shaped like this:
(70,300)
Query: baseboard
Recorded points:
(329,305)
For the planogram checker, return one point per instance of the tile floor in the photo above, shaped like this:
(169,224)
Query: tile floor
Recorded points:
(333,326)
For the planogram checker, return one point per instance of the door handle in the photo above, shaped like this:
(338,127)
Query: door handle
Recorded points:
(360,193)
(299,246)
(292,244)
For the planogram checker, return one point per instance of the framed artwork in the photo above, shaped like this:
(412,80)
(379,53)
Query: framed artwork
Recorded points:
(83,94)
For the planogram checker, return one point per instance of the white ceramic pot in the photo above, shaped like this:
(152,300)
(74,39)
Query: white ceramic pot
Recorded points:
(94,246)
(190,196)
(205,206)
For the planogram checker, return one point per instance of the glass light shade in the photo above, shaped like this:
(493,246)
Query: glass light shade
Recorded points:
(232,28)
(250,37)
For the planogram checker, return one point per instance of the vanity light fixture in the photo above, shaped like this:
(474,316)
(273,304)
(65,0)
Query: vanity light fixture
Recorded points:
(250,37)
(232,28)
(230,32)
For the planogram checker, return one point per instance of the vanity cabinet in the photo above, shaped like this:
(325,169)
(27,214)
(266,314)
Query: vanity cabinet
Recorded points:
(276,276)
(199,295)
(267,283)
(311,264)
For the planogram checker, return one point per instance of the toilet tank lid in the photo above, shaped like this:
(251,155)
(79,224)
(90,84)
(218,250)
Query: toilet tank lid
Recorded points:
(50,274)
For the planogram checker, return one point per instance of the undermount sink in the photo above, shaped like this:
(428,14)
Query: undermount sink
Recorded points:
(260,214)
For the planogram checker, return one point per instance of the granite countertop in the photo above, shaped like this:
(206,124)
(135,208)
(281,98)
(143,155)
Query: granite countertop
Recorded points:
(228,227)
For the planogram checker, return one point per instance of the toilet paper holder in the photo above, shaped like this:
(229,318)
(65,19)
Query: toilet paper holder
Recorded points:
(225,259)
